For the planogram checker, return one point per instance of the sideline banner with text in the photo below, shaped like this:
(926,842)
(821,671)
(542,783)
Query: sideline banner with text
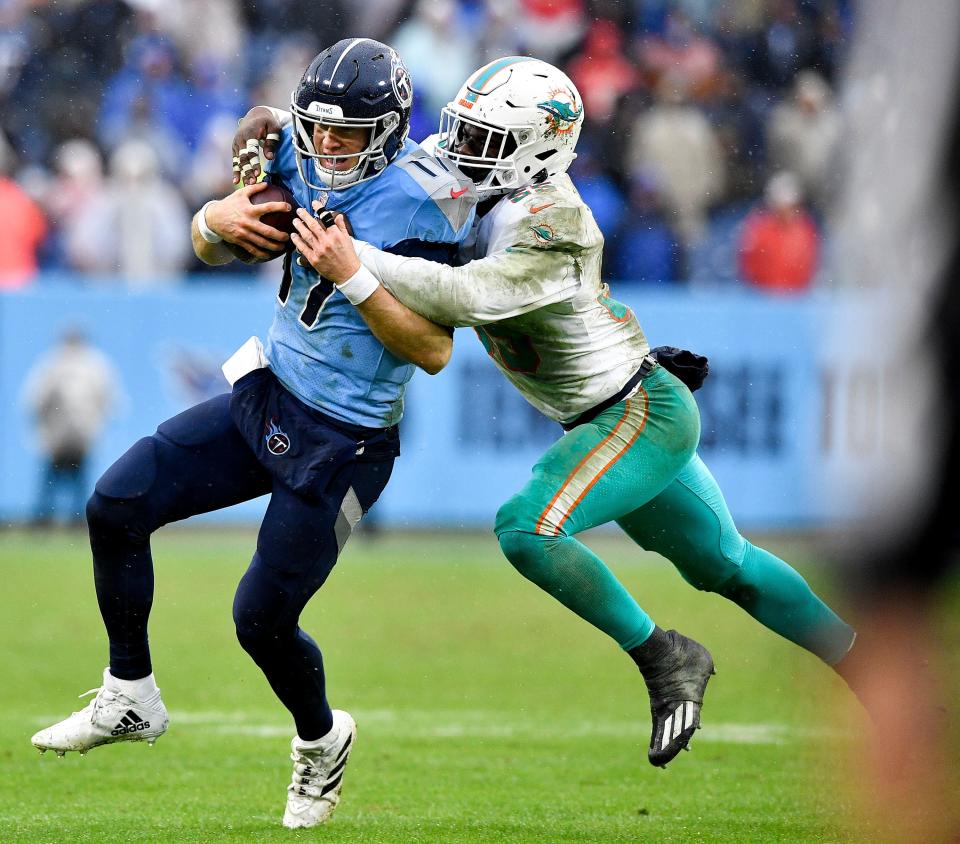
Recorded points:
(781,412)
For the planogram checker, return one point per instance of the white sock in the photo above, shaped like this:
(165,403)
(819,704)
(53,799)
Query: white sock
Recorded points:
(320,743)
(142,689)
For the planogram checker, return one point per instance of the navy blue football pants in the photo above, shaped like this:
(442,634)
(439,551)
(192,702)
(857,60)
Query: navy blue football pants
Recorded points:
(197,462)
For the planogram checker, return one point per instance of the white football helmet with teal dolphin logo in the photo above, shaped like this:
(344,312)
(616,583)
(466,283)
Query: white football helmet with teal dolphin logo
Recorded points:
(514,121)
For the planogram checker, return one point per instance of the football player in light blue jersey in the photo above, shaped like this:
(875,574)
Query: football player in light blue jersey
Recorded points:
(311,420)
(319,346)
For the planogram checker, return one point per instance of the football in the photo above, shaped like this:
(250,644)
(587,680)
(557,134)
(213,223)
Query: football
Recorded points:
(281,220)
(277,219)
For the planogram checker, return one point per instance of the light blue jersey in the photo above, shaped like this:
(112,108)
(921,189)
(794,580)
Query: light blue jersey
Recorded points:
(319,346)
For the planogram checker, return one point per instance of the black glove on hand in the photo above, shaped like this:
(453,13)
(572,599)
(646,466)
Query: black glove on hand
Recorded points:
(688,366)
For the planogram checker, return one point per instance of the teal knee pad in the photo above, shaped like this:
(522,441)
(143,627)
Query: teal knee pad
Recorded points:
(518,513)
(760,574)
(526,552)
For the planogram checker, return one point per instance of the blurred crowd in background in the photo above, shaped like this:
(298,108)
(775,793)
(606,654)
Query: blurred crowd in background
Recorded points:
(706,156)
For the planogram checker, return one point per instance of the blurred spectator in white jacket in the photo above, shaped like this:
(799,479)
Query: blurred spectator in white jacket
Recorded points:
(76,183)
(802,136)
(70,392)
(139,227)
(675,142)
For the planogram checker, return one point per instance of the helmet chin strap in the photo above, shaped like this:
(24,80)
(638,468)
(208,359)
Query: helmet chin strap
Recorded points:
(335,178)
(494,184)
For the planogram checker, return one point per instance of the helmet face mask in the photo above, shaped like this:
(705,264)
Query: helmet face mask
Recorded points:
(356,84)
(479,150)
(367,162)
(514,121)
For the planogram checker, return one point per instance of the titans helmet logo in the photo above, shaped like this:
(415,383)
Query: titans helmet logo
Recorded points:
(402,84)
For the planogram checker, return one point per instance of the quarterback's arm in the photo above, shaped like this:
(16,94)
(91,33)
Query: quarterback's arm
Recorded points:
(214,253)
(234,219)
(405,333)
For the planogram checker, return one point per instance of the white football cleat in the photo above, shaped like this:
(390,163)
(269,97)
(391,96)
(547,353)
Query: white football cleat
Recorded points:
(111,716)
(318,773)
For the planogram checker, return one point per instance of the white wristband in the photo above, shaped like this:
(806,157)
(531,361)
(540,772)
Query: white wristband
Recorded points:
(360,286)
(208,234)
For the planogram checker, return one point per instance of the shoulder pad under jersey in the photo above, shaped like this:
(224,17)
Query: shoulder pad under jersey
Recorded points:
(454,194)
(548,216)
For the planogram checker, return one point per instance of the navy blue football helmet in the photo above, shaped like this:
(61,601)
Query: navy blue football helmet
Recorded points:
(358,82)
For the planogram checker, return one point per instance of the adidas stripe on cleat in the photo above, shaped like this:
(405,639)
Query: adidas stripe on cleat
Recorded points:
(111,716)
(318,768)
(130,723)
(676,688)
(678,727)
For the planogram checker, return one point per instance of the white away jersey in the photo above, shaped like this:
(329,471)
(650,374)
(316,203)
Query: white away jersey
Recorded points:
(534,296)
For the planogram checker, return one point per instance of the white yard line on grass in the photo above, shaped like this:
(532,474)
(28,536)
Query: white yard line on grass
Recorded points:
(439,724)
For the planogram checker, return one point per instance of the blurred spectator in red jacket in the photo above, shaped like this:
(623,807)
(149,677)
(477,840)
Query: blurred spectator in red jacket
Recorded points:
(601,72)
(780,245)
(23,230)
(549,28)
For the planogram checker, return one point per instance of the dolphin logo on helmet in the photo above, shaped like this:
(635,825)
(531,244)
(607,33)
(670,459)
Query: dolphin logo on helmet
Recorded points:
(561,115)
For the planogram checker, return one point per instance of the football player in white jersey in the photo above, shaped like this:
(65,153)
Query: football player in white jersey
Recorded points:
(530,286)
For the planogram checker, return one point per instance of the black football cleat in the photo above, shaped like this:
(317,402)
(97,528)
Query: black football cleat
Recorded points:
(676,686)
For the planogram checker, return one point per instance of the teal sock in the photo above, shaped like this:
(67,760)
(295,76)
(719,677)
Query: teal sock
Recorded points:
(779,598)
(579,580)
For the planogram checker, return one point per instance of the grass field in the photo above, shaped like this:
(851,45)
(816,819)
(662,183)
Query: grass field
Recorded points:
(486,712)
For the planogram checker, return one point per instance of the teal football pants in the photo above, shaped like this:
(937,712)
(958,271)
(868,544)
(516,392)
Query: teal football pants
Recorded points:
(636,464)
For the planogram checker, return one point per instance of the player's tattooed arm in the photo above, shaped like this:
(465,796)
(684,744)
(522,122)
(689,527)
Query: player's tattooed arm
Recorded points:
(258,129)
(235,220)
(403,331)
